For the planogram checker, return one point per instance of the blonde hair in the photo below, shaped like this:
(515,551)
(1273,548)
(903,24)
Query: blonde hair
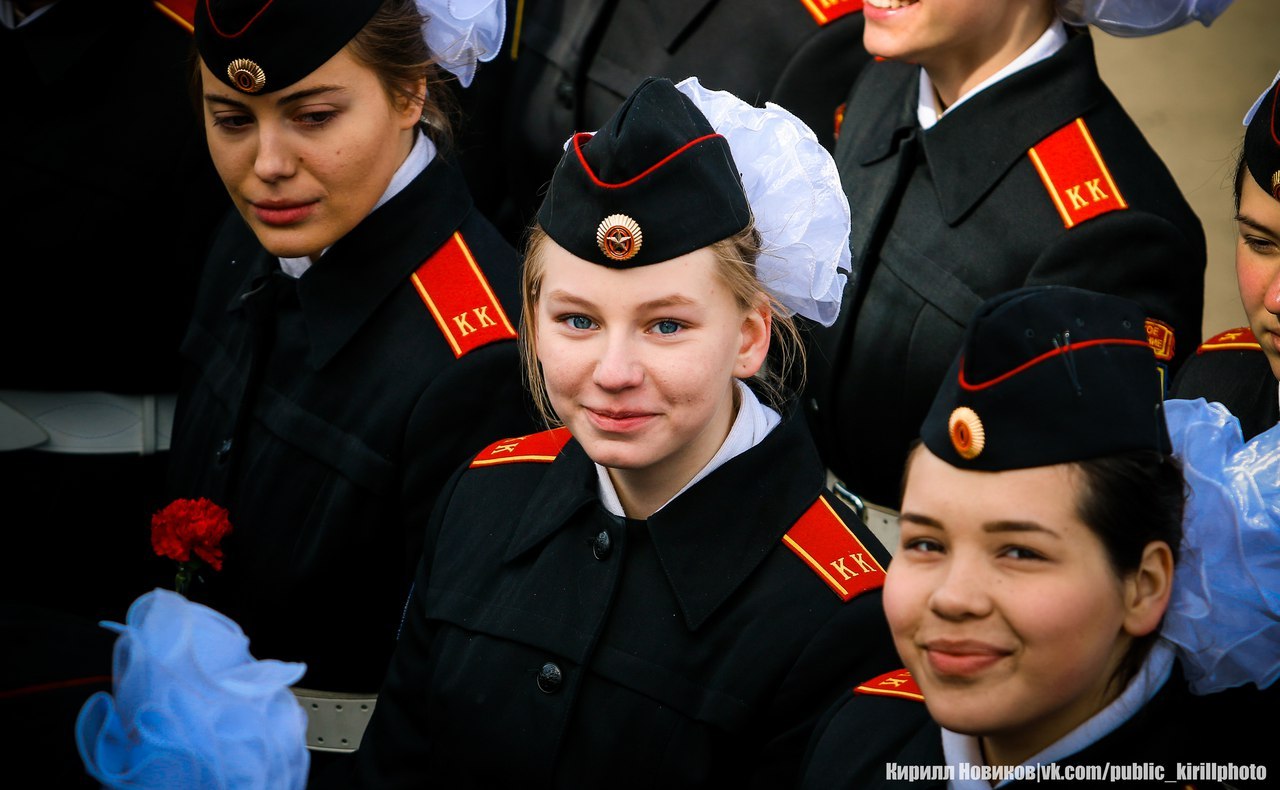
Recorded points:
(736,256)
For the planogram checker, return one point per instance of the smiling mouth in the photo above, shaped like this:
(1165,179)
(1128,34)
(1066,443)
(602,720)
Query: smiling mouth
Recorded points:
(617,421)
(891,4)
(962,659)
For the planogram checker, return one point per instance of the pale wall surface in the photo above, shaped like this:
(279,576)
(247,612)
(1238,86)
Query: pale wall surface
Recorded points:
(1188,90)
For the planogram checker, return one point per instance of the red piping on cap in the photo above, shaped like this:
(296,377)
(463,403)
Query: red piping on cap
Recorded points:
(1276,91)
(209,13)
(1102,341)
(577,139)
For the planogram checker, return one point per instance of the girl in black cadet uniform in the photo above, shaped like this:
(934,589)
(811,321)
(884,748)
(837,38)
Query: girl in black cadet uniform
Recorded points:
(984,153)
(659,593)
(1066,607)
(1240,367)
(354,336)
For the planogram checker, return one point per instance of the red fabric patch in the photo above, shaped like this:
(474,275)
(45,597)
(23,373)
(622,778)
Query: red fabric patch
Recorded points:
(826,11)
(898,683)
(1075,175)
(830,548)
(536,447)
(1160,337)
(1239,339)
(460,299)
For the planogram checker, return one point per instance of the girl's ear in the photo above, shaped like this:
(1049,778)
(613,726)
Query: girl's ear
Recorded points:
(1146,589)
(408,109)
(757,328)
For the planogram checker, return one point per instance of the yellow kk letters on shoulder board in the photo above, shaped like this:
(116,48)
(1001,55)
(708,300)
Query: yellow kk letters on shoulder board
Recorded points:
(460,299)
(829,547)
(1075,175)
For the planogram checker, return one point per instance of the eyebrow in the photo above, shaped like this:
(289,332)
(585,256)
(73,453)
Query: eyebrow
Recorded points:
(1258,226)
(282,101)
(674,300)
(989,527)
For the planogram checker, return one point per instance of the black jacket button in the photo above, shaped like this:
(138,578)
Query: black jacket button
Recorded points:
(549,678)
(601,547)
(565,94)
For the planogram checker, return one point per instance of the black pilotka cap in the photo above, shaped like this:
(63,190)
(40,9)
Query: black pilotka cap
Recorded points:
(1262,144)
(1047,375)
(654,183)
(260,46)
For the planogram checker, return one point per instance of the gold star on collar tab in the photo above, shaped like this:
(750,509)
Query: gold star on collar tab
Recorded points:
(246,75)
(619,237)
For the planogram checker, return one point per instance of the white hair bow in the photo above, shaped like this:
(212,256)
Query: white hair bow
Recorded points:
(462,33)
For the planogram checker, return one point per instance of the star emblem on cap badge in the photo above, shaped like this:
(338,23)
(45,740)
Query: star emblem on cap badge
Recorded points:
(967,434)
(246,75)
(619,237)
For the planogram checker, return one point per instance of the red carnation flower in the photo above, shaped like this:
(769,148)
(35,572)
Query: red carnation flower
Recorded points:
(190,526)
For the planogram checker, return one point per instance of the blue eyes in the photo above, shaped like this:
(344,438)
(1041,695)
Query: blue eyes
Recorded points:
(666,327)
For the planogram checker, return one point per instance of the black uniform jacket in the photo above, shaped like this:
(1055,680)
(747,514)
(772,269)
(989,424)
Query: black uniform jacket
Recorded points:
(862,734)
(571,63)
(1231,369)
(327,412)
(945,218)
(551,644)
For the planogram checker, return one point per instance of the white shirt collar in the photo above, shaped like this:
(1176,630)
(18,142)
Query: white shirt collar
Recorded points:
(419,157)
(753,422)
(957,748)
(1050,41)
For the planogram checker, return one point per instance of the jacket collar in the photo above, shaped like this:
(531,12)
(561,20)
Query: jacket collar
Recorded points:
(1016,113)
(345,287)
(714,535)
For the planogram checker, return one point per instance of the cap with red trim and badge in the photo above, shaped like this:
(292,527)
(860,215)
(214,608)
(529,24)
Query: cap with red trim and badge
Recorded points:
(262,46)
(679,167)
(1048,375)
(655,183)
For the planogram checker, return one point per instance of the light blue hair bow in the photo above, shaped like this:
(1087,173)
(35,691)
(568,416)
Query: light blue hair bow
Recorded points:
(1224,613)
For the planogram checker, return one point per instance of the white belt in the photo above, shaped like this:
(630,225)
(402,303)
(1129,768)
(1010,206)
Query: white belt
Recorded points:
(335,721)
(882,521)
(87,423)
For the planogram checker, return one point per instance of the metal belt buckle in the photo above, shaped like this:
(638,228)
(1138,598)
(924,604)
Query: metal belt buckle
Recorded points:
(335,720)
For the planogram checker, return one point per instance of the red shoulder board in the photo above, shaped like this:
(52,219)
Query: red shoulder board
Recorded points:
(826,543)
(1240,339)
(898,683)
(825,11)
(460,299)
(183,12)
(1075,175)
(535,448)
(1160,338)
